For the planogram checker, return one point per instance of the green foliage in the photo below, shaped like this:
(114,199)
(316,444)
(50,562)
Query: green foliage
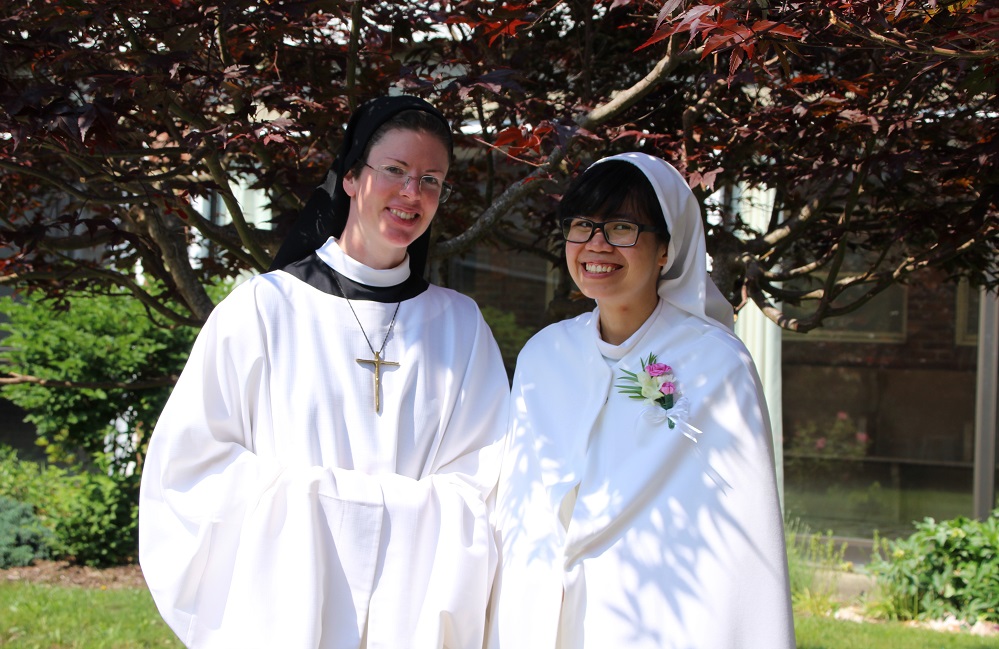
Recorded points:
(99,431)
(944,568)
(100,528)
(825,448)
(56,617)
(108,341)
(509,335)
(91,515)
(813,563)
(22,536)
(49,489)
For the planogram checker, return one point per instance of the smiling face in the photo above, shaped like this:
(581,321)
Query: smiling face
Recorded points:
(618,278)
(385,216)
(623,280)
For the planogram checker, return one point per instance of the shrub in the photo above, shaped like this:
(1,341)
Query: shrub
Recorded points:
(814,561)
(98,434)
(101,340)
(510,336)
(100,528)
(47,488)
(942,569)
(22,536)
(90,517)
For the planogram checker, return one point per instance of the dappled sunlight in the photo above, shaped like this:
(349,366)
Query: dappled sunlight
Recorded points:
(647,528)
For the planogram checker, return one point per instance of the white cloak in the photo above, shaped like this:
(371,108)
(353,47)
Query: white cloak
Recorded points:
(670,542)
(278,510)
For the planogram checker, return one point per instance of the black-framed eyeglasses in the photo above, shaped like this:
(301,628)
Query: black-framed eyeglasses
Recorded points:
(396,177)
(619,233)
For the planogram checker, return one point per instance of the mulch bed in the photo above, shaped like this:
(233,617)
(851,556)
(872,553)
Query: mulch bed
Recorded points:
(63,573)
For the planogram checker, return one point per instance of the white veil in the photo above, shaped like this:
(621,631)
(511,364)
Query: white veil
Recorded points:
(685,282)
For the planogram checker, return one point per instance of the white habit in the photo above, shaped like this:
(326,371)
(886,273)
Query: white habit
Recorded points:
(278,509)
(670,543)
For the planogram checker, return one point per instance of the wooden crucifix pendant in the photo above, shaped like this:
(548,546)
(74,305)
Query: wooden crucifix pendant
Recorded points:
(377,362)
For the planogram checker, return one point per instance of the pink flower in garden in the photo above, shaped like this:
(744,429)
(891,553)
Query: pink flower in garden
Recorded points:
(863,438)
(658,369)
(820,443)
(668,387)
(842,416)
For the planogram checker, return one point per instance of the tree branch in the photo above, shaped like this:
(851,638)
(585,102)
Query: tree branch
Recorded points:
(261,258)
(215,234)
(173,246)
(598,115)
(693,112)
(904,43)
(118,279)
(356,17)
(630,96)
(13,378)
(71,190)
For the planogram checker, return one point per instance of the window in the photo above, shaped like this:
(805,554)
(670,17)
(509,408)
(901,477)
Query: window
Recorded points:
(881,320)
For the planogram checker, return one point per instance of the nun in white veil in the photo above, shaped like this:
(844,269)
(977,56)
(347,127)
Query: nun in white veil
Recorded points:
(638,506)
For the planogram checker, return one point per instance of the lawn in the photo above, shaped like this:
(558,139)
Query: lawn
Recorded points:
(43,616)
(827,633)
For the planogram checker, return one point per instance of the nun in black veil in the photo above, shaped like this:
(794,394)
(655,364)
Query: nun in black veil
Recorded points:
(318,477)
(326,212)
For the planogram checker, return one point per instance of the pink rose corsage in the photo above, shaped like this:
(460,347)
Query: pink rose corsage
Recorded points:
(657,386)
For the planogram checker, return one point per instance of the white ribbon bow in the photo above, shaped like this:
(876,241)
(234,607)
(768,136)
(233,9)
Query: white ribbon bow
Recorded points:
(656,416)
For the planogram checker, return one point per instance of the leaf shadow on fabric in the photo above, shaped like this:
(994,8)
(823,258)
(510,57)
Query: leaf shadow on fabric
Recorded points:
(687,556)
(666,530)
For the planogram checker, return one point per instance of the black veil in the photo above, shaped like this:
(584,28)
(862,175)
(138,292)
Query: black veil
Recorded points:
(325,215)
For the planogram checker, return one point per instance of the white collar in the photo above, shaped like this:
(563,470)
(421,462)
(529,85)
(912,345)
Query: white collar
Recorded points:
(333,255)
(617,352)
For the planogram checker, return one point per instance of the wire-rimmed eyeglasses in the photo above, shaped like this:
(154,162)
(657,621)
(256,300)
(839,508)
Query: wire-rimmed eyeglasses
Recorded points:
(619,233)
(430,186)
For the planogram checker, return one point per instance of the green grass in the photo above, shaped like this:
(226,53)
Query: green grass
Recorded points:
(38,616)
(35,616)
(827,633)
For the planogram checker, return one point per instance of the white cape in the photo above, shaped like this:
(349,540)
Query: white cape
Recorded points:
(619,531)
(277,510)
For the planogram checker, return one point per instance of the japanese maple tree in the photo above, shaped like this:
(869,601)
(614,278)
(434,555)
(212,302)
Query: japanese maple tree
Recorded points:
(873,124)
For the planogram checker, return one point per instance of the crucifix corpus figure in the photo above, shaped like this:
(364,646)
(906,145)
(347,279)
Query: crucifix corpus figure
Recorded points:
(377,362)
